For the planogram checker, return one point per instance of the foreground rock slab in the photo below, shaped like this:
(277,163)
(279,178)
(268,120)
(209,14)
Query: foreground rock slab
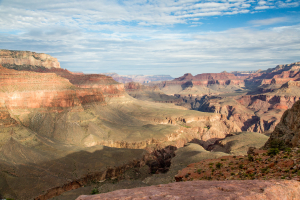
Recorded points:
(251,189)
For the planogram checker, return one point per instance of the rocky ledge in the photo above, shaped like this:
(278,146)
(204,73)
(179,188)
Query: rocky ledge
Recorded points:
(255,189)
(27,60)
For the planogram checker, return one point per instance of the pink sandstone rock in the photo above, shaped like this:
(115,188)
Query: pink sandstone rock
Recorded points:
(238,189)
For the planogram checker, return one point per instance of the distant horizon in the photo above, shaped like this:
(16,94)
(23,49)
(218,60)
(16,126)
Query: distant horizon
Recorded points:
(193,74)
(153,37)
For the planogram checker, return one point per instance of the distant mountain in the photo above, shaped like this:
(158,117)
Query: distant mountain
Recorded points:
(138,78)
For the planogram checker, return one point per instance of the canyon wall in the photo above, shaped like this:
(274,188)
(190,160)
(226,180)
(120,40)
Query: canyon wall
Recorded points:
(27,60)
(287,130)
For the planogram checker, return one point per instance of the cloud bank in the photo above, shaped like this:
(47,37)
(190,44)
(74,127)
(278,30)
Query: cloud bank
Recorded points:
(143,37)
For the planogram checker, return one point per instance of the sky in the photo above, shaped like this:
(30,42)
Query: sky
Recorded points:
(155,37)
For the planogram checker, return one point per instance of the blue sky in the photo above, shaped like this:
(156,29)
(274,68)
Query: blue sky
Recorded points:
(155,36)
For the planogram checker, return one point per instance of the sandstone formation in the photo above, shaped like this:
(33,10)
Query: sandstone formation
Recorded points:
(255,189)
(27,60)
(25,90)
(287,130)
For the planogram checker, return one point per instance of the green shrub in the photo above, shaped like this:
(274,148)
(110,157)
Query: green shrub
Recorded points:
(273,151)
(218,165)
(288,149)
(250,158)
(279,144)
(264,170)
(241,166)
(95,191)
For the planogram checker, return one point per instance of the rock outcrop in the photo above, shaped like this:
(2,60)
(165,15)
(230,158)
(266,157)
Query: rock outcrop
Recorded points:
(287,130)
(27,60)
(276,190)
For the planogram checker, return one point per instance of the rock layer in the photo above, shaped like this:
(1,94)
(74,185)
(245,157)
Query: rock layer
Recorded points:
(27,60)
(246,190)
(24,89)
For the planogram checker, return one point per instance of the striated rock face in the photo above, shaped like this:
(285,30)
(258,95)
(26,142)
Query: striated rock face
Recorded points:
(246,190)
(287,130)
(27,60)
(24,89)
(43,63)
(106,84)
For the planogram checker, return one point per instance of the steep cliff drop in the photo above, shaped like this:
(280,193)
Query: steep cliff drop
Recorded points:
(286,132)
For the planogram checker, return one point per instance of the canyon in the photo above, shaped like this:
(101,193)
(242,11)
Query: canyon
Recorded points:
(254,100)
(55,124)
(64,134)
(271,172)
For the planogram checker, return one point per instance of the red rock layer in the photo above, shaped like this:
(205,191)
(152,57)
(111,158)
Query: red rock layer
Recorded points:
(24,89)
(106,84)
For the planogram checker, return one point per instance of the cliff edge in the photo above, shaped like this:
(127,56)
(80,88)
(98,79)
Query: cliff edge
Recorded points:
(287,130)
(20,60)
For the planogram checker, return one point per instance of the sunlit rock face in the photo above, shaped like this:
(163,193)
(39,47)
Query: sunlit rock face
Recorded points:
(24,89)
(27,59)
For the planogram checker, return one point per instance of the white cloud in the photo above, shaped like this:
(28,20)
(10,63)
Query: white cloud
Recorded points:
(269,21)
(21,14)
(136,36)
